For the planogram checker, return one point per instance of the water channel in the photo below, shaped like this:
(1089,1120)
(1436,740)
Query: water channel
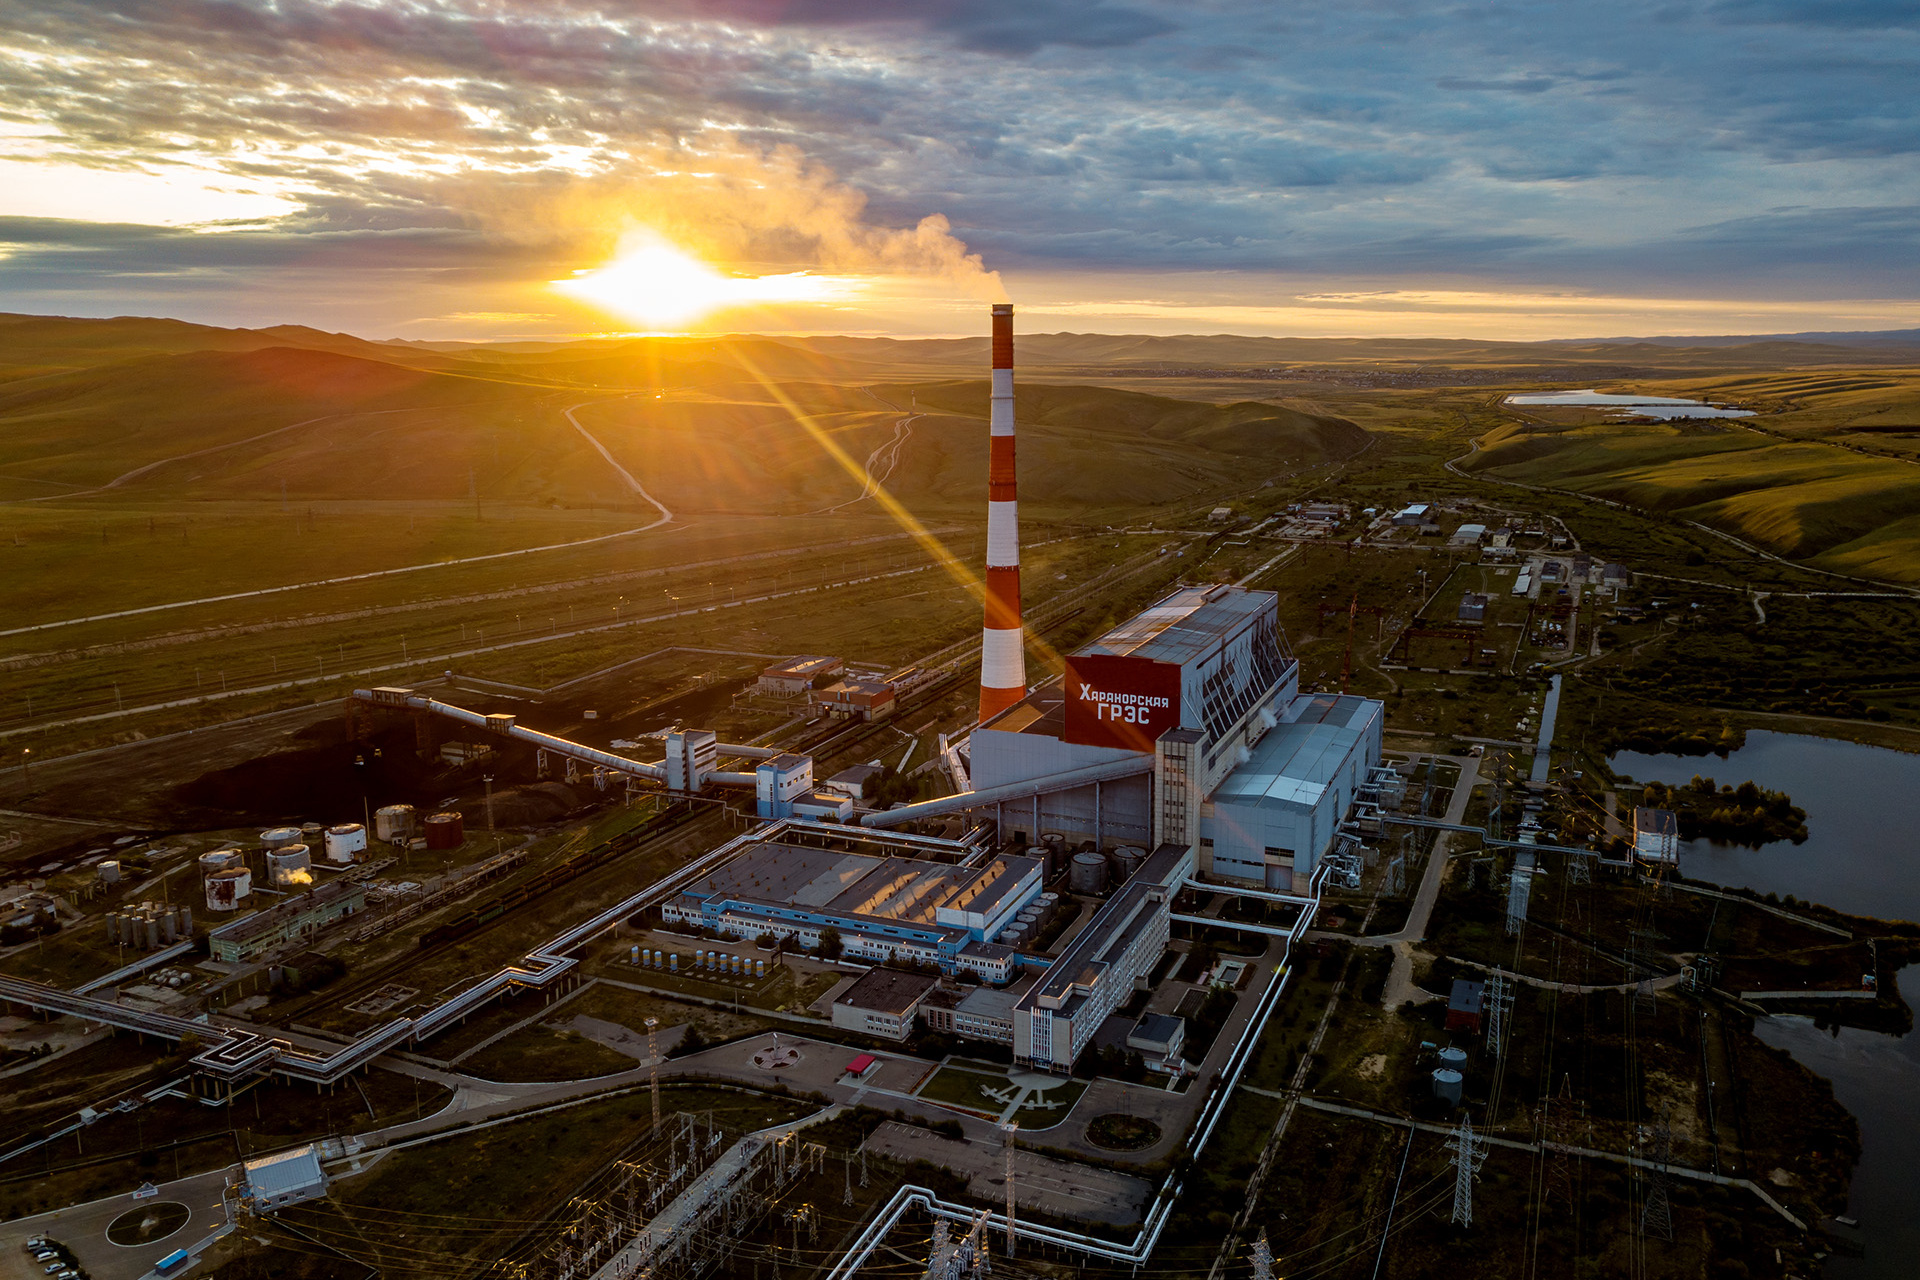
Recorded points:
(1861,855)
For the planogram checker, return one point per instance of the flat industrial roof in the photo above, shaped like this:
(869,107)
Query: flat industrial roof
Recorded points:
(989,1002)
(804,665)
(1190,622)
(891,991)
(1296,762)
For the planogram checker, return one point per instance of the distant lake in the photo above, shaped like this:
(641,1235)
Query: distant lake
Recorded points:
(1645,406)
(1862,803)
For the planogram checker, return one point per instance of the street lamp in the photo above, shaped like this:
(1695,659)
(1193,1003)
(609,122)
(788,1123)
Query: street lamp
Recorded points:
(26,765)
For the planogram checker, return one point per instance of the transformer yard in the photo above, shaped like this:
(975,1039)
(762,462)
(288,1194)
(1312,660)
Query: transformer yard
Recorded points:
(1281,916)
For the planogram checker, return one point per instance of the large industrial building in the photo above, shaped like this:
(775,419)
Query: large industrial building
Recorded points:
(889,898)
(1183,725)
(1055,1021)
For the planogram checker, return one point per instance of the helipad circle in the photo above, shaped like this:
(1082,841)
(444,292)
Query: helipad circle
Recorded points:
(148,1223)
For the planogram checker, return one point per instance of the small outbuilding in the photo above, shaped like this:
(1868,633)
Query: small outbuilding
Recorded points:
(1465,1005)
(1656,835)
(284,1178)
(1159,1037)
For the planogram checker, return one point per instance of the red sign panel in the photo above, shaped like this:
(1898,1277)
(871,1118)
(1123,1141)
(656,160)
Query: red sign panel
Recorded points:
(1117,701)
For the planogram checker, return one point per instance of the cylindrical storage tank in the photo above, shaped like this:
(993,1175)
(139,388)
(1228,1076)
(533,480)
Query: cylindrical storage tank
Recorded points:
(1446,1085)
(280,837)
(393,822)
(1031,915)
(759,968)
(109,872)
(1127,859)
(1087,873)
(346,842)
(673,962)
(310,833)
(228,888)
(221,860)
(1453,1059)
(1008,937)
(445,830)
(289,867)
(633,957)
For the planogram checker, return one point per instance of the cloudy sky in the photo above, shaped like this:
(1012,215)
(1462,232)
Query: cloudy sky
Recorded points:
(428,168)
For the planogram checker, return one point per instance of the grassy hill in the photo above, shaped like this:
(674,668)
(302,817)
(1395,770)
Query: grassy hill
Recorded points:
(86,427)
(1830,507)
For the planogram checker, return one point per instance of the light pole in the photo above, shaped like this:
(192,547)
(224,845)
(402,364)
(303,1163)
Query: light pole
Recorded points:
(489,778)
(26,765)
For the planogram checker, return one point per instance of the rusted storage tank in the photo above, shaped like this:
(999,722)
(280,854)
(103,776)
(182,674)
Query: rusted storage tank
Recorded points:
(345,843)
(445,830)
(228,888)
(290,867)
(221,860)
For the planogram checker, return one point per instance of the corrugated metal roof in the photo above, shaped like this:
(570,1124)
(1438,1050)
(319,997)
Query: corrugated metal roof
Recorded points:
(1184,625)
(1294,763)
(284,1173)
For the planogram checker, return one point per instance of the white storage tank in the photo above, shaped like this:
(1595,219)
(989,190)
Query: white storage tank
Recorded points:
(347,842)
(280,837)
(1087,873)
(290,867)
(221,860)
(228,888)
(393,823)
(109,872)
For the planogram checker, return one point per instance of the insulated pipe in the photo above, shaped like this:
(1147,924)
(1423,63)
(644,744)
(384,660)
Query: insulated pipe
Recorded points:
(1003,667)
(747,753)
(1011,791)
(584,754)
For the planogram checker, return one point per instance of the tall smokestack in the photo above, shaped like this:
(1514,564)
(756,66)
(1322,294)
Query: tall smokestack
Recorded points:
(1003,665)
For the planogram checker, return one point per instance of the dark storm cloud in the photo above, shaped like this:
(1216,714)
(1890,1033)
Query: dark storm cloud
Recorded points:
(1513,140)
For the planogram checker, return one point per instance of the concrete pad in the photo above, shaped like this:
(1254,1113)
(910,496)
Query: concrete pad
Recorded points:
(1042,1183)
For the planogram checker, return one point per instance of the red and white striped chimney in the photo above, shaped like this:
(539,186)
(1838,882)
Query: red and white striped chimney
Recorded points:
(1003,665)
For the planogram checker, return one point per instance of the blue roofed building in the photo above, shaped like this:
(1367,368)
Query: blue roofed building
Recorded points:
(1274,815)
